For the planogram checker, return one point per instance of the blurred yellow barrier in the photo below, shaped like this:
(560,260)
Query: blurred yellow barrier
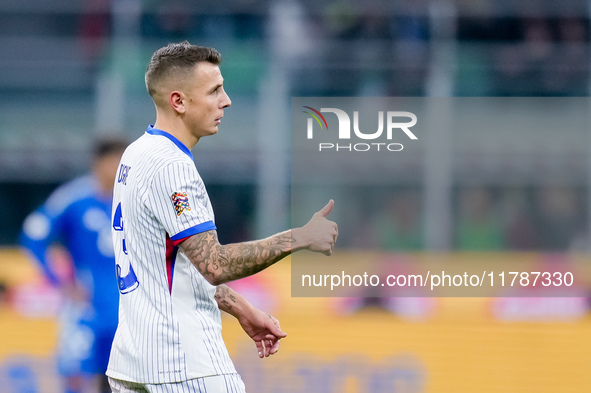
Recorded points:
(333,345)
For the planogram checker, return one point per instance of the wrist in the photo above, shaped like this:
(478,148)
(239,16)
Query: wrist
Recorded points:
(243,311)
(297,240)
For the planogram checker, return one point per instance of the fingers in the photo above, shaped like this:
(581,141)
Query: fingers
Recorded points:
(260,348)
(269,344)
(326,232)
(335,237)
(326,209)
(331,243)
(275,347)
(267,347)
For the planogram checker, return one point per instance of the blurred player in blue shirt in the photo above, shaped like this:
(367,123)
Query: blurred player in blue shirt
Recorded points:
(78,216)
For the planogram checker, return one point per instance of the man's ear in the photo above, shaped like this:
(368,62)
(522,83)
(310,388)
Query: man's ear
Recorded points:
(176,101)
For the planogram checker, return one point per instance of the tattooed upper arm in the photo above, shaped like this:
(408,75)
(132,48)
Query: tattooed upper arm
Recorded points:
(202,250)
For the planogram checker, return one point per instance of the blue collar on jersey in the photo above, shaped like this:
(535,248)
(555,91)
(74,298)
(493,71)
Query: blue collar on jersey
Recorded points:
(155,131)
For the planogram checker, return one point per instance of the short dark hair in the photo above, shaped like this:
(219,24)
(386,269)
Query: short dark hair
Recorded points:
(107,145)
(177,58)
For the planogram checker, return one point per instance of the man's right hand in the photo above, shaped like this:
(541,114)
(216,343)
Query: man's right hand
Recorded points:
(319,234)
(222,263)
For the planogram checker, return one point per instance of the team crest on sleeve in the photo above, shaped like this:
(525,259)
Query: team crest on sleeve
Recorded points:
(180,201)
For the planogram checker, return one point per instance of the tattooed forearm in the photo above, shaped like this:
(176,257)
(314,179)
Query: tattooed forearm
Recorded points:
(225,298)
(222,263)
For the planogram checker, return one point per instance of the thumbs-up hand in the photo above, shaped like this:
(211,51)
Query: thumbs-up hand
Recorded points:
(319,234)
(325,211)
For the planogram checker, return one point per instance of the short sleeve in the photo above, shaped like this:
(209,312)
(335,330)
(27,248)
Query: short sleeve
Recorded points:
(179,200)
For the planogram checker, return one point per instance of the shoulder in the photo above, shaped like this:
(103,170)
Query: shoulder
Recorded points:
(70,193)
(155,152)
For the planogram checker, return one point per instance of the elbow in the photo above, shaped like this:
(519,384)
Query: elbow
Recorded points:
(216,280)
(210,274)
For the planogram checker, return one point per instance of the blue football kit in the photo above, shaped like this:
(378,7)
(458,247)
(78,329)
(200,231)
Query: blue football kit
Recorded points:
(78,216)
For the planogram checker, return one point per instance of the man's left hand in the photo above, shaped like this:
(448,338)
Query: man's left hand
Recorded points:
(264,329)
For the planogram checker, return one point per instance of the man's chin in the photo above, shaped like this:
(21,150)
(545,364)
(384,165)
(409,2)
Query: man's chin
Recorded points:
(209,132)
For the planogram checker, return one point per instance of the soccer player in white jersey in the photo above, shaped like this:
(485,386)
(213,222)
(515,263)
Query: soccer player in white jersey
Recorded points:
(171,268)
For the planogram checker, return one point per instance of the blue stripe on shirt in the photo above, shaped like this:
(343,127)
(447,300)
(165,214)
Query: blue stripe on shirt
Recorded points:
(204,226)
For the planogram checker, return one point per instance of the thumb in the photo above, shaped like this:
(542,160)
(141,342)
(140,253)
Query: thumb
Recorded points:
(326,209)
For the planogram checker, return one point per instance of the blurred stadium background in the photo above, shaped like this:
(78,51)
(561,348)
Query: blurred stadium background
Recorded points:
(73,70)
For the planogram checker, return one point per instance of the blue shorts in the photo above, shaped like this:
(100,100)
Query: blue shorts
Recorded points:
(84,343)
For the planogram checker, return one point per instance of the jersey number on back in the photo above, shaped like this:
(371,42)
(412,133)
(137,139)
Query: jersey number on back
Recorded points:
(128,282)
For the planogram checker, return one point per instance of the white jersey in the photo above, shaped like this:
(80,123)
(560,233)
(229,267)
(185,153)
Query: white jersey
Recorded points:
(169,322)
